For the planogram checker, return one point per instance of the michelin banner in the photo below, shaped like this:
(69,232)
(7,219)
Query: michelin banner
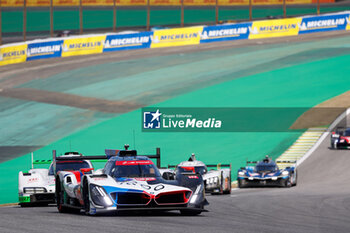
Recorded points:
(176,37)
(225,32)
(13,54)
(42,50)
(128,41)
(275,28)
(83,45)
(323,23)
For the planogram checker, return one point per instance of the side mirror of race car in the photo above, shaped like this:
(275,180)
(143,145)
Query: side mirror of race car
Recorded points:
(86,170)
(168,176)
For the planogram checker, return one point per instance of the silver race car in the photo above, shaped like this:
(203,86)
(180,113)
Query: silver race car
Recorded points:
(37,186)
(217,181)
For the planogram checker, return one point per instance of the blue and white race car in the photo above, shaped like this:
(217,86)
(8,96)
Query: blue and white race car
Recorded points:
(267,173)
(128,182)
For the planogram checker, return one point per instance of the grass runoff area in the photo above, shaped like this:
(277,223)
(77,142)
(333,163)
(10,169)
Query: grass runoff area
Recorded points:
(302,85)
(67,18)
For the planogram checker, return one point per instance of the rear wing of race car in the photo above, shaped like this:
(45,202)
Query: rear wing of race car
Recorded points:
(217,166)
(104,158)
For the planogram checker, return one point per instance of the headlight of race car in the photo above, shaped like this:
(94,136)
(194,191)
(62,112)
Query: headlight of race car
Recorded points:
(285,173)
(99,196)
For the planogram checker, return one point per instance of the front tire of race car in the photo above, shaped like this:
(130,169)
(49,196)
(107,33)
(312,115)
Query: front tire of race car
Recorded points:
(59,198)
(241,184)
(86,198)
(286,183)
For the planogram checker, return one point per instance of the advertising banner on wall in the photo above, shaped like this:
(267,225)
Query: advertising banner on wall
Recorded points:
(323,23)
(176,37)
(275,28)
(83,46)
(128,41)
(42,50)
(225,32)
(13,54)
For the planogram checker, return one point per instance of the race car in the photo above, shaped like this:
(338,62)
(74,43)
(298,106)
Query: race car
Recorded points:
(37,186)
(340,138)
(267,173)
(128,182)
(216,181)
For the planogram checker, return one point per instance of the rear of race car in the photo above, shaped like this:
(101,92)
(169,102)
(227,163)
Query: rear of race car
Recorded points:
(36,187)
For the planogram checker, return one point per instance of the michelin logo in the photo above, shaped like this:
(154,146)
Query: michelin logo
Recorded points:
(328,23)
(43,50)
(126,41)
(151,120)
(224,32)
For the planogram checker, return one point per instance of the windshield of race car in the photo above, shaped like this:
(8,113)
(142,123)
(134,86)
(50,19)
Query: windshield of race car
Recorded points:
(346,132)
(134,169)
(263,167)
(198,169)
(69,166)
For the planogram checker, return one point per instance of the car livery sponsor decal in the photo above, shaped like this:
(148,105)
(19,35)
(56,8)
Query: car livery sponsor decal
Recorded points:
(176,37)
(226,32)
(127,41)
(131,163)
(44,50)
(145,179)
(274,28)
(323,23)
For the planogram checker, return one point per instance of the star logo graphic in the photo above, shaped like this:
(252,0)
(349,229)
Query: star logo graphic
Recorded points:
(156,115)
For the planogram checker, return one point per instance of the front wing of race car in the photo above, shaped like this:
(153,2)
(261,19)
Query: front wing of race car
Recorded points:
(107,195)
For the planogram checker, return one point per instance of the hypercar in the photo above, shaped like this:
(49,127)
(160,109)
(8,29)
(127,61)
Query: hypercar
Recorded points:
(128,182)
(267,173)
(37,186)
(340,138)
(216,181)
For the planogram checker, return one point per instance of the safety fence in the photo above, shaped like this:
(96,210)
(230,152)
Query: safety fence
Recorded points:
(27,19)
(95,44)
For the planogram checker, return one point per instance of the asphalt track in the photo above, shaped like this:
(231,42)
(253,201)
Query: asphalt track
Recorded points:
(319,203)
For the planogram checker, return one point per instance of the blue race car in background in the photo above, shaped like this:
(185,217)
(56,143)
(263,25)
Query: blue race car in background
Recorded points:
(267,173)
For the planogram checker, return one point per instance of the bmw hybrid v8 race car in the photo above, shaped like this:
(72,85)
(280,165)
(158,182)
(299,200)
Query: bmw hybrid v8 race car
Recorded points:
(340,138)
(128,182)
(267,173)
(37,186)
(216,181)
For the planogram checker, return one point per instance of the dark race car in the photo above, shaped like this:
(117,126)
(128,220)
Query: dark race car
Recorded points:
(340,138)
(128,182)
(267,173)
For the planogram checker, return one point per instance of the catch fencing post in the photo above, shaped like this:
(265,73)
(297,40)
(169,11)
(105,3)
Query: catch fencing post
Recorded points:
(51,18)
(318,7)
(114,15)
(284,9)
(216,11)
(24,20)
(250,10)
(182,13)
(81,16)
(0,25)
(148,15)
